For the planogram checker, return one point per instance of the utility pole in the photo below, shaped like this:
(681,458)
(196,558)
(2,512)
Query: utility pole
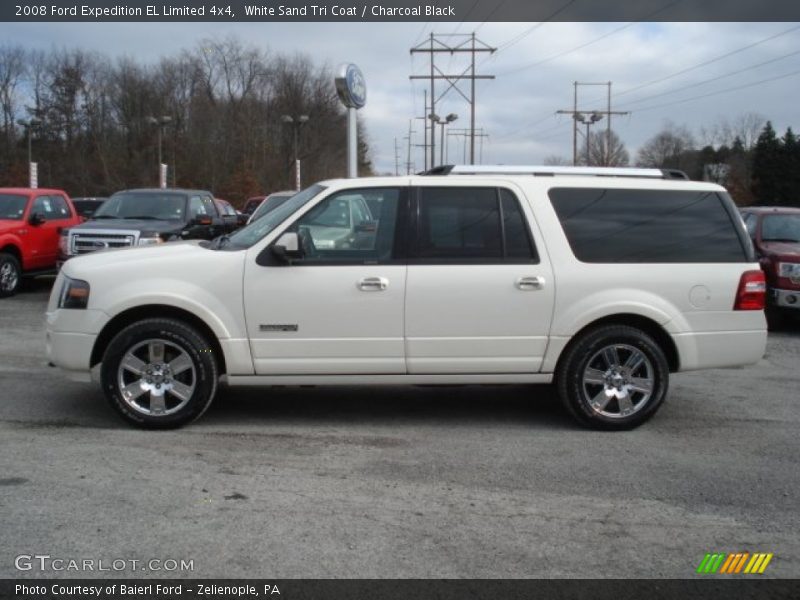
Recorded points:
(465,133)
(424,143)
(435,45)
(581,116)
(408,142)
(396,158)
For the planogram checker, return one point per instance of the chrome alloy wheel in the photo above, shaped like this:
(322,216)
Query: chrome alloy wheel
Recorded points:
(9,278)
(618,381)
(156,377)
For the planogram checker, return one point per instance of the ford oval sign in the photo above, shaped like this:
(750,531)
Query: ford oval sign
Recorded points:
(351,87)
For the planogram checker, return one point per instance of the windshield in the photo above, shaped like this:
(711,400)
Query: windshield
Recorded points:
(270,204)
(149,205)
(781,228)
(249,235)
(12,206)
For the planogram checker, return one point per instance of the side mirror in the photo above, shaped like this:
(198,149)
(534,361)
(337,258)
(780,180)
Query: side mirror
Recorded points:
(37,218)
(287,247)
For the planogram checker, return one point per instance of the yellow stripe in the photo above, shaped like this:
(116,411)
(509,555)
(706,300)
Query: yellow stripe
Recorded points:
(741,562)
(726,563)
(765,563)
(761,557)
(753,560)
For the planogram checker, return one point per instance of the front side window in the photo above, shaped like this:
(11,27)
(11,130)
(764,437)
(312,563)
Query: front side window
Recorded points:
(459,224)
(648,226)
(342,228)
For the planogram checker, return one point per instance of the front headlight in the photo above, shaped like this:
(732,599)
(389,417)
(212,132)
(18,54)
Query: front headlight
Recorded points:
(150,240)
(789,269)
(74,294)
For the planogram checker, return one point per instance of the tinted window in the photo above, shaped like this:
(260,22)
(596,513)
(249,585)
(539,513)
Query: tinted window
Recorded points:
(471,224)
(342,229)
(60,208)
(52,208)
(658,226)
(152,205)
(781,228)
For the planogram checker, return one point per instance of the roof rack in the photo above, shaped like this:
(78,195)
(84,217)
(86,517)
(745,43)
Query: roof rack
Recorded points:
(545,171)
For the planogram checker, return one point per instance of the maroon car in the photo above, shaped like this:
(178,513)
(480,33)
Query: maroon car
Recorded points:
(775,232)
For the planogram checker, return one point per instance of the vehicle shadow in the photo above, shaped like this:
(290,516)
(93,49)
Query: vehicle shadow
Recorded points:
(389,405)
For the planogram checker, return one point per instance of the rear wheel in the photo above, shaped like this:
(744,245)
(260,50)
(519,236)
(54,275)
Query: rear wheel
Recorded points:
(159,373)
(10,275)
(613,377)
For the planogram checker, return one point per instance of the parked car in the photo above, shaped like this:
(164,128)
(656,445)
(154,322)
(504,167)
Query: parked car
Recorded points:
(601,281)
(87,206)
(251,204)
(144,217)
(30,223)
(775,232)
(270,203)
(232,219)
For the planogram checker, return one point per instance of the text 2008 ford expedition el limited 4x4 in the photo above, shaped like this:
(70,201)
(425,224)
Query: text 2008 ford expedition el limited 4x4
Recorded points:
(603,281)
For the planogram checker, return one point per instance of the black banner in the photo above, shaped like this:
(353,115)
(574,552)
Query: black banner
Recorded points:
(398,10)
(741,588)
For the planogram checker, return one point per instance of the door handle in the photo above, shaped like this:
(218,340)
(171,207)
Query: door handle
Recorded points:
(529,284)
(373,284)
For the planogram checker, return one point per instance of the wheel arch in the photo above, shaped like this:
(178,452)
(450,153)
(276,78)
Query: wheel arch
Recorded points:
(645,324)
(14,250)
(148,311)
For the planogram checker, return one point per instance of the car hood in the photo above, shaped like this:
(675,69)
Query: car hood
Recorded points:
(189,250)
(156,226)
(788,250)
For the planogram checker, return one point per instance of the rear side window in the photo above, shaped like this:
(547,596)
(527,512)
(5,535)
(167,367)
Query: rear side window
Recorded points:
(459,224)
(647,226)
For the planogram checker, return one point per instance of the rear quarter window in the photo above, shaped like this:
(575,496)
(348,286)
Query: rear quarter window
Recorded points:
(649,226)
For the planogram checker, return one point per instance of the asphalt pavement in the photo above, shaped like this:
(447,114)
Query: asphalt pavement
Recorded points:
(400,482)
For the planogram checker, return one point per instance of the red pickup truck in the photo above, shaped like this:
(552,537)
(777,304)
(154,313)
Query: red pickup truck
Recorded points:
(31,221)
(776,236)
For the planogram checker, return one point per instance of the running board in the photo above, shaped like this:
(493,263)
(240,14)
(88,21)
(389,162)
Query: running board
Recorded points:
(488,378)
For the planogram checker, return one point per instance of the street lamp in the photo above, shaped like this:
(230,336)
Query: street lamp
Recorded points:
(160,122)
(296,123)
(588,121)
(446,121)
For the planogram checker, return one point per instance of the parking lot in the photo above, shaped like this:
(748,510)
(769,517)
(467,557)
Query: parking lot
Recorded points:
(476,481)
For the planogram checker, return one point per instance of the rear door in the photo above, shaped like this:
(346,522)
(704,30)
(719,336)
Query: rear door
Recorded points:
(480,290)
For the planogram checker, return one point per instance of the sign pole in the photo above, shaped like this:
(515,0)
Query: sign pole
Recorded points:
(352,91)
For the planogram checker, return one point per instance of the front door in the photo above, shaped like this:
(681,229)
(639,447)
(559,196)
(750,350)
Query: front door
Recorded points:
(480,289)
(338,309)
(43,238)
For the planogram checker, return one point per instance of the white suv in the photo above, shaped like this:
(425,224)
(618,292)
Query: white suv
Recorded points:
(603,281)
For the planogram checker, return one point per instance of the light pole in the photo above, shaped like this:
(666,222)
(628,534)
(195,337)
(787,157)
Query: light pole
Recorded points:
(160,122)
(296,124)
(446,121)
(32,171)
(588,121)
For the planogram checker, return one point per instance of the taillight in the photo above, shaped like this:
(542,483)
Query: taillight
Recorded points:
(752,292)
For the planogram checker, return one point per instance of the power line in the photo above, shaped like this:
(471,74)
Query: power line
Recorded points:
(589,43)
(707,81)
(725,91)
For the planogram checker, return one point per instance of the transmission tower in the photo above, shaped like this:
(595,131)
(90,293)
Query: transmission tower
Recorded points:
(435,45)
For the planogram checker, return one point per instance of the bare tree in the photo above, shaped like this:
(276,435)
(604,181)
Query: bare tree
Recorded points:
(667,149)
(605,149)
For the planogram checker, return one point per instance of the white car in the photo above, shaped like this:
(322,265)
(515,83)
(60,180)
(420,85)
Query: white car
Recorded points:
(602,281)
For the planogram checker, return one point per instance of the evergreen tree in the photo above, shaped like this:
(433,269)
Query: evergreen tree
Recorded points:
(766,167)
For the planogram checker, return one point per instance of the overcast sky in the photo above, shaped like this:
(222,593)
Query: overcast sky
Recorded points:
(535,68)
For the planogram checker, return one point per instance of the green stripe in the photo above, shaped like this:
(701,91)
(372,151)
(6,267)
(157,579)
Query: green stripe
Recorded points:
(701,568)
(719,562)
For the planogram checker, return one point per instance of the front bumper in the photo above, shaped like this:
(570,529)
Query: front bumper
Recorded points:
(70,336)
(785,298)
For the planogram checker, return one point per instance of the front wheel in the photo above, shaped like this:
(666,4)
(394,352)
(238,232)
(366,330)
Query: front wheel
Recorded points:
(10,275)
(159,373)
(613,377)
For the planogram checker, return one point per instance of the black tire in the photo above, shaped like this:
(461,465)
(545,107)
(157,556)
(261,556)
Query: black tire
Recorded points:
(585,359)
(141,341)
(10,275)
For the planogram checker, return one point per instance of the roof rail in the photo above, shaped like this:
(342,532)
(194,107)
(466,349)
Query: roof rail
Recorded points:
(545,171)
